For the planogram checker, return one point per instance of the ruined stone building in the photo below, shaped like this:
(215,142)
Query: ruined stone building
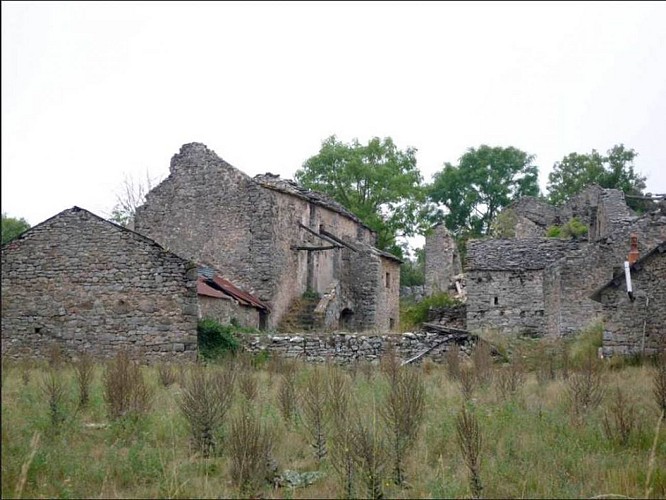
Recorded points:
(92,286)
(273,239)
(531,284)
(636,323)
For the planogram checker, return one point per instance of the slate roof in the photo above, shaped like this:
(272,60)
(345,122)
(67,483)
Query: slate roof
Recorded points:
(526,254)
(273,181)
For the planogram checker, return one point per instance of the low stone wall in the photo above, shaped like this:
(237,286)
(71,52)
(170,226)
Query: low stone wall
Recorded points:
(344,348)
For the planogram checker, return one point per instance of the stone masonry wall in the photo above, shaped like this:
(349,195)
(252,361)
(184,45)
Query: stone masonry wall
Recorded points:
(441,260)
(510,301)
(91,286)
(194,213)
(224,311)
(344,348)
(250,229)
(637,327)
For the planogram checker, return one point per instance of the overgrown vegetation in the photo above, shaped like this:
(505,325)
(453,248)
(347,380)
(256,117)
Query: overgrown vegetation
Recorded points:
(572,229)
(508,438)
(413,314)
(216,340)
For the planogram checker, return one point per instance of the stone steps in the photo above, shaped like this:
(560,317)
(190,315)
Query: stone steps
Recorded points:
(300,316)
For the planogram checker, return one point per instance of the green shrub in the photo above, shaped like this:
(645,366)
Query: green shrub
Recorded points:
(412,315)
(216,340)
(572,229)
(554,232)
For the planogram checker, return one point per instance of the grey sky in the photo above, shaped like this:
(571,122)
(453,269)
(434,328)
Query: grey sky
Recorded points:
(91,91)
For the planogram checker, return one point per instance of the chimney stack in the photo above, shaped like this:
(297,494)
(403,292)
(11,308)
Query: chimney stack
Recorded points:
(633,253)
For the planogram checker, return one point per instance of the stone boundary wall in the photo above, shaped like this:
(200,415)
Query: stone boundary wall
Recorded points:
(345,348)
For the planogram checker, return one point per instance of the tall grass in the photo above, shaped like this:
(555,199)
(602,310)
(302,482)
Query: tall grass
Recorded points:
(528,448)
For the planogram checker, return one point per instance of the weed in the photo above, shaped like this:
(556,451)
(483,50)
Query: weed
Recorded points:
(166,374)
(247,384)
(125,390)
(55,391)
(660,382)
(403,413)
(315,417)
(467,380)
(205,400)
(287,397)
(483,363)
(84,370)
(585,388)
(620,419)
(452,359)
(370,454)
(250,446)
(469,438)
(510,379)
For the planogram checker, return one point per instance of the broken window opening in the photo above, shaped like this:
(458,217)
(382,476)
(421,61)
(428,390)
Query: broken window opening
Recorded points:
(496,301)
(388,280)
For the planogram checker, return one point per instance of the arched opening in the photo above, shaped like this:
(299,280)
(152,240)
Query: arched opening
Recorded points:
(346,319)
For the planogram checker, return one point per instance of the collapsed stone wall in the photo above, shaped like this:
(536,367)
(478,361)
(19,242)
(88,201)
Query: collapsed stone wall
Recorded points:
(637,327)
(89,285)
(442,261)
(345,348)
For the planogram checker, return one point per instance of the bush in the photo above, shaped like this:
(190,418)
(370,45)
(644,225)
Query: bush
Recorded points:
(572,229)
(216,340)
(412,315)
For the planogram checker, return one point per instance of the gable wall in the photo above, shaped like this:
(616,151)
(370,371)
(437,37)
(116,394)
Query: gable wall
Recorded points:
(88,285)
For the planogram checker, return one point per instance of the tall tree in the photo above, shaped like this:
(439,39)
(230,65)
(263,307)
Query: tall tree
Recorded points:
(614,170)
(485,180)
(377,182)
(12,227)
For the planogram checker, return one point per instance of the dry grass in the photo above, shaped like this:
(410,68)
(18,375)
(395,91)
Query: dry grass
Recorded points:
(529,449)
(315,416)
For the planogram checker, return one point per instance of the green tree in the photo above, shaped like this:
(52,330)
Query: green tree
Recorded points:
(575,171)
(12,227)
(412,270)
(485,180)
(377,182)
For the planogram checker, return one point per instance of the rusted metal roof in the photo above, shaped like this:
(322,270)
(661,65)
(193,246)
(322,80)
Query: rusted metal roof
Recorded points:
(210,282)
(208,291)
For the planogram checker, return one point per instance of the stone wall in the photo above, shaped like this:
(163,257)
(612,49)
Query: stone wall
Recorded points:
(637,327)
(88,285)
(226,311)
(508,301)
(442,261)
(344,348)
(272,238)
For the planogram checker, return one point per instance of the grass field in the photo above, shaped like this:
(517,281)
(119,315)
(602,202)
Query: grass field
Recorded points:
(545,429)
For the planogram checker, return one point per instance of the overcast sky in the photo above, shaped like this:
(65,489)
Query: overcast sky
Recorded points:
(94,91)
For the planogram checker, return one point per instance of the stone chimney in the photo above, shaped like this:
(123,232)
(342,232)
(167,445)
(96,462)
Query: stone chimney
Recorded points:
(633,252)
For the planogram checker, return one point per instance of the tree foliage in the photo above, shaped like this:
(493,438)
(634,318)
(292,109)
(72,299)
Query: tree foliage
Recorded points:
(12,227)
(614,170)
(377,182)
(485,180)
(412,270)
